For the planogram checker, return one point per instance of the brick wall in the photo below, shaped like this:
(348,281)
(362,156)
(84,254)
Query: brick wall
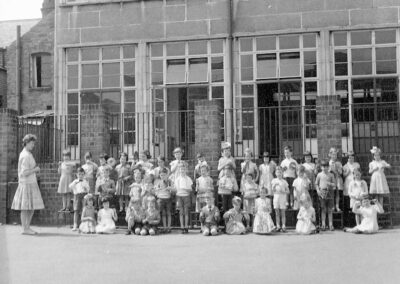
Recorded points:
(39,39)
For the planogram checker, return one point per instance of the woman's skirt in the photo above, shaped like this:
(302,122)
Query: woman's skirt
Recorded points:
(27,197)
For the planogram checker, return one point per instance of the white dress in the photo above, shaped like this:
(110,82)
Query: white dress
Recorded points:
(106,223)
(348,172)
(378,183)
(304,223)
(263,223)
(266,176)
(300,186)
(369,222)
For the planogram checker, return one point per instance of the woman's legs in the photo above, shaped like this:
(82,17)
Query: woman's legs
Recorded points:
(26,219)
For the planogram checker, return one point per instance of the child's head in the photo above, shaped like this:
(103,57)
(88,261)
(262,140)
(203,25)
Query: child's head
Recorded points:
(287,152)
(138,174)
(151,202)
(266,157)
(182,169)
(106,171)
(135,155)
(103,159)
(144,155)
(248,154)
(80,173)
(204,170)
(228,170)
(365,200)
(164,174)
(200,157)
(178,152)
(279,172)
(263,192)
(350,157)
(249,177)
(357,174)
(123,158)
(209,200)
(325,166)
(305,200)
(89,199)
(301,170)
(333,153)
(226,149)
(88,157)
(106,202)
(66,155)
(307,156)
(111,162)
(161,161)
(149,178)
(236,202)
(376,152)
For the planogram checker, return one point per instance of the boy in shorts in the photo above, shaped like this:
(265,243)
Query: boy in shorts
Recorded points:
(289,166)
(280,189)
(325,184)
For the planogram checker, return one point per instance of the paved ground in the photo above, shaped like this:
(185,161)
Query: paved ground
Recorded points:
(58,255)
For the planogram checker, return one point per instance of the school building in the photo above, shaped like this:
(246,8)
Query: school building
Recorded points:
(262,74)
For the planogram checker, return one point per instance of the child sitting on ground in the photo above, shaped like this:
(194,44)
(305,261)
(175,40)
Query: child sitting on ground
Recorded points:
(306,216)
(106,218)
(204,188)
(88,219)
(237,222)
(280,188)
(80,187)
(134,216)
(163,193)
(209,217)
(357,188)
(263,223)
(152,218)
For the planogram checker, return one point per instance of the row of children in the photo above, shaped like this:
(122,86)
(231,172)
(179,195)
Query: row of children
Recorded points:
(162,184)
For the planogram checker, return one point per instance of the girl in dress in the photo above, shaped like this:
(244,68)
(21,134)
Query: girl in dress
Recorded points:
(176,164)
(90,169)
(301,185)
(204,187)
(357,188)
(226,159)
(122,188)
(336,168)
(88,218)
(249,191)
(147,189)
(137,185)
(378,185)
(369,212)
(144,161)
(266,171)
(237,222)
(27,198)
(106,218)
(247,166)
(263,223)
(164,195)
(65,168)
(227,185)
(305,217)
(348,170)
(183,186)
(201,161)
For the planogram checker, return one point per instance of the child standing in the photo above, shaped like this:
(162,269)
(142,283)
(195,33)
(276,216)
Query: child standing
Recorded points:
(200,162)
(226,159)
(306,216)
(209,217)
(280,188)
(357,188)
(65,168)
(90,170)
(378,185)
(289,166)
(336,168)
(100,173)
(247,166)
(161,166)
(325,184)
(122,188)
(137,185)
(106,186)
(106,218)
(249,191)
(204,187)
(348,170)
(88,219)
(267,170)
(134,216)
(183,186)
(80,187)
(263,223)
(152,218)
(226,186)
(176,164)
(301,185)
(144,161)
(163,193)
(147,189)
(237,222)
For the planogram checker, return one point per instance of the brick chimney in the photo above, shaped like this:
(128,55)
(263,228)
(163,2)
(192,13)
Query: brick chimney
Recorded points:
(47,7)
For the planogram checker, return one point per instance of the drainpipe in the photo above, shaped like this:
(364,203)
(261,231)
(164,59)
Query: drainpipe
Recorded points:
(229,106)
(18,70)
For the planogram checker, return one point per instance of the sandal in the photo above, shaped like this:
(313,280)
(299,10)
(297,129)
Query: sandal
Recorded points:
(283,230)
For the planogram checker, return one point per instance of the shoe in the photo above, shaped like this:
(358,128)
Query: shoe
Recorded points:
(183,232)
(187,230)
(74,229)
(331,228)
(128,232)
(283,230)
(278,229)
(323,228)
(338,209)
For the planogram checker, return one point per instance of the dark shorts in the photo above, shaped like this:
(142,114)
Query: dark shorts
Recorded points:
(183,202)
(326,204)
(164,204)
(290,181)
(78,201)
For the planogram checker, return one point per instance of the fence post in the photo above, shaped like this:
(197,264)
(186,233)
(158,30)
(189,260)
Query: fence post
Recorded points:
(8,155)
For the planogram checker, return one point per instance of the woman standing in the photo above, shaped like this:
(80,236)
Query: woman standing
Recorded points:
(27,197)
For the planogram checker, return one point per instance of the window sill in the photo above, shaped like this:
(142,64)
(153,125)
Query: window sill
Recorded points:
(40,88)
(65,3)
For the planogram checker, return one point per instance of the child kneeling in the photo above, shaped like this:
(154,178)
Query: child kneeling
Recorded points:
(152,218)
(134,216)
(209,218)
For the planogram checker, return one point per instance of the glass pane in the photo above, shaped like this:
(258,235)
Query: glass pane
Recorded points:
(363,91)
(157,72)
(129,74)
(156,49)
(289,41)
(198,70)
(310,70)
(340,38)
(247,67)
(266,66)
(72,98)
(111,52)
(217,69)
(290,64)
(386,53)
(90,98)
(72,109)
(342,89)
(386,67)
(246,44)
(266,43)
(385,36)
(217,46)
(311,93)
(360,37)
(340,56)
(111,75)
(72,54)
(112,101)
(218,92)
(341,69)
(176,71)
(129,107)
(310,57)
(72,80)
(290,93)
(175,49)
(197,47)
(90,54)
(386,90)
(361,54)
(309,40)
(90,69)
(362,68)
(90,76)
(247,90)
(111,69)
(128,51)
(247,102)
(129,96)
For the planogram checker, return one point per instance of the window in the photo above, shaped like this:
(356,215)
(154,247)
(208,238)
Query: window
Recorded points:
(41,73)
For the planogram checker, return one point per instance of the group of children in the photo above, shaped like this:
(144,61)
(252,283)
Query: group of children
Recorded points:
(148,195)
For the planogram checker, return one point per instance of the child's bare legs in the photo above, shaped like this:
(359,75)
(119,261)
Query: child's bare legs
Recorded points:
(357,219)
(64,201)
(323,217)
(330,218)
(337,200)
(169,220)
(278,219)
(164,219)
(126,199)
(76,217)
(380,198)
(121,203)
(283,217)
